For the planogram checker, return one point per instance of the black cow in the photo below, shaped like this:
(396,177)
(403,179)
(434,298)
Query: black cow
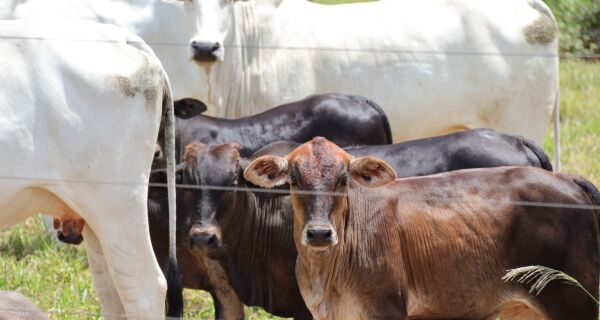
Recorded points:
(250,233)
(343,119)
(478,148)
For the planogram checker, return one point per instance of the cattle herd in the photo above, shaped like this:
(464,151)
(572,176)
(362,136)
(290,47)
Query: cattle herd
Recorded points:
(149,130)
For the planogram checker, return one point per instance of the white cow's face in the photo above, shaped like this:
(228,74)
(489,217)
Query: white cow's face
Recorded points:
(209,22)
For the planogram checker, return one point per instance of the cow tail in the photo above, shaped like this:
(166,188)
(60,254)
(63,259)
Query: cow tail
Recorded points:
(539,153)
(384,120)
(174,289)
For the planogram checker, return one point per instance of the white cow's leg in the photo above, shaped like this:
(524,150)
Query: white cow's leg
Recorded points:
(130,258)
(110,302)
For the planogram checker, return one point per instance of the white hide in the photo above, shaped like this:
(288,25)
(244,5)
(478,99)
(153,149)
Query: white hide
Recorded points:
(79,117)
(433,66)
(159,22)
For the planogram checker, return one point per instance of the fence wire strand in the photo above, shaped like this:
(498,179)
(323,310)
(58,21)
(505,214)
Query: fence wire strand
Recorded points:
(287,191)
(581,56)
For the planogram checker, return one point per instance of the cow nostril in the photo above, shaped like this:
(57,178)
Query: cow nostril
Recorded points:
(203,240)
(205,51)
(319,235)
(212,241)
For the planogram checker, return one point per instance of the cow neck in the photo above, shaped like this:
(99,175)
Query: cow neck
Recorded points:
(244,61)
(261,252)
(364,249)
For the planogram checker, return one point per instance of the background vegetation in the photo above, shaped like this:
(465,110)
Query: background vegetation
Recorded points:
(579,25)
(56,277)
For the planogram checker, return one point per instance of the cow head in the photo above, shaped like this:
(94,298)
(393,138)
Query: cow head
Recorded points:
(319,174)
(216,168)
(69,230)
(214,23)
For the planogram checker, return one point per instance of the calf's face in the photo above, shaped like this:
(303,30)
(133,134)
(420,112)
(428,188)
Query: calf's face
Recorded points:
(319,174)
(215,169)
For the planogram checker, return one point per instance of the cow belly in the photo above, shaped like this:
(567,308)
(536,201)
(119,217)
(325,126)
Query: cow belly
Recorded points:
(505,304)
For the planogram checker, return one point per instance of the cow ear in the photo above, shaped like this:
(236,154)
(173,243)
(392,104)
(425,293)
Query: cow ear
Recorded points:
(188,108)
(267,171)
(371,172)
(193,151)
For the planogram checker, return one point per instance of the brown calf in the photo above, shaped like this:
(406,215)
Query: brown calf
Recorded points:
(434,247)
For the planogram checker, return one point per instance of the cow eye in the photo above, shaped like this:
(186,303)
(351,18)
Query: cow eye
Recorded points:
(343,181)
(293,181)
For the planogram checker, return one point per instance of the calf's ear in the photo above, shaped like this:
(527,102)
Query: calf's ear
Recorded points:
(371,172)
(267,171)
(188,108)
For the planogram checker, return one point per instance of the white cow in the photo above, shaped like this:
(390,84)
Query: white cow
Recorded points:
(159,22)
(80,109)
(434,66)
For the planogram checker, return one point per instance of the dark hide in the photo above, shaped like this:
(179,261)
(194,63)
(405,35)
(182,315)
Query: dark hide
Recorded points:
(344,119)
(480,148)
(437,246)
(254,230)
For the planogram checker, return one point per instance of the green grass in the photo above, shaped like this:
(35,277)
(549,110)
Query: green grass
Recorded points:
(580,119)
(57,279)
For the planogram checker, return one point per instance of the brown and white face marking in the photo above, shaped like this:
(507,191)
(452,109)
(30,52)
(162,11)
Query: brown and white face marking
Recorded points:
(319,174)
(210,166)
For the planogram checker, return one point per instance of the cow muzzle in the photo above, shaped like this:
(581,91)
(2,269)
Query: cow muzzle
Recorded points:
(205,51)
(70,238)
(206,239)
(319,237)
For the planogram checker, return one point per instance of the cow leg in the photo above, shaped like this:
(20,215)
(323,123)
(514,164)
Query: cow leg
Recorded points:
(120,222)
(217,305)
(231,306)
(110,302)
(134,269)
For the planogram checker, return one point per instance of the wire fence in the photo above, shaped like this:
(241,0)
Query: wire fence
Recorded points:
(580,56)
(280,191)
(83,313)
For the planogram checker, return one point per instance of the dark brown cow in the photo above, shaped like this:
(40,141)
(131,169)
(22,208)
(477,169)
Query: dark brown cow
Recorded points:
(434,247)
